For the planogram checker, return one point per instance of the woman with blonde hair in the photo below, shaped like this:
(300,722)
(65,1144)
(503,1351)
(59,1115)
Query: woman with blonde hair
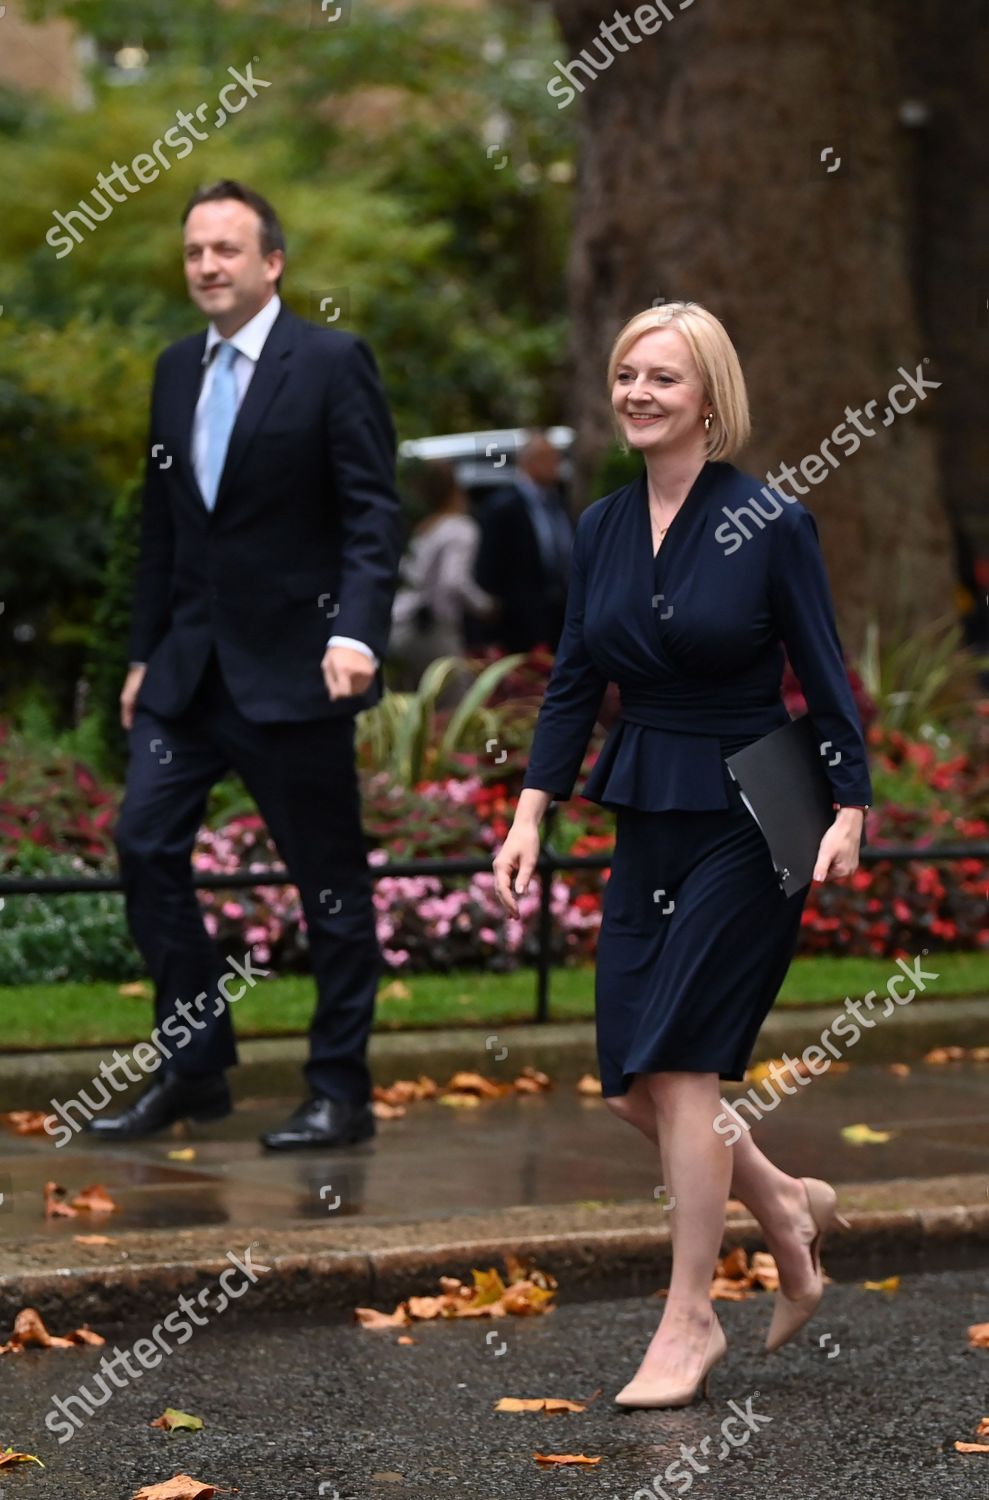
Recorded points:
(696,931)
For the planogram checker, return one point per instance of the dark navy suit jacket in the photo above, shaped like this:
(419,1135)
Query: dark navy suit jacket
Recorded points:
(694,639)
(303,543)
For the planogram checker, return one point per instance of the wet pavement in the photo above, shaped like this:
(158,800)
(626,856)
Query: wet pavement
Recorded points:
(867,1402)
(537,1151)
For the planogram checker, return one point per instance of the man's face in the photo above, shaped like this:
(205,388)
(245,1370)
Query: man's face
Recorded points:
(541,461)
(228,277)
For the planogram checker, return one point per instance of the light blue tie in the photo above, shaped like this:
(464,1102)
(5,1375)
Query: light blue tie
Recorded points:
(219,415)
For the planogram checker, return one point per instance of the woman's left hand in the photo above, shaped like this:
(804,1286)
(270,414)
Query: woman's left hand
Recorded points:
(838,854)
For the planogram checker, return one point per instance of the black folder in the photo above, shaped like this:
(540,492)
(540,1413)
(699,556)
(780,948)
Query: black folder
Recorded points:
(783,781)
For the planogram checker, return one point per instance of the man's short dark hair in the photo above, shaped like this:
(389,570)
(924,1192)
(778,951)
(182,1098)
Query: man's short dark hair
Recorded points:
(271,233)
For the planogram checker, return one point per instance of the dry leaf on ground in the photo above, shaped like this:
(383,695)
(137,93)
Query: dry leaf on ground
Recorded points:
(25,1121)
(971,1447)
(30,1331)
(476,1083)
(172,1420)
(136,990)
(564,1458)
(532,1081)
(383,1111)
(527,1292)
(864,1135)
(55,1207)
(92,1239)
(184,1153)
(538,1403)
(899,1069)
(978,1337)
(588,1084)
(181,1487)
(891,1284)
(944,1054)
(397,990)
(8,1458)
(94,1199)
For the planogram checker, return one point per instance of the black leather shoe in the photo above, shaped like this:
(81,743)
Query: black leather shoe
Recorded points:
(166,1099)
(322,1122)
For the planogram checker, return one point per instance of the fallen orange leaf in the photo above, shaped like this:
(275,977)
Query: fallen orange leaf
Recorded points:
(588,1084)
(538,1403)
(94,1199)
(972,1447)
(54,1207)
(137,990)
(370,1317)
(184,1153)
(92,1239)
(382,1111)
(29,1330)
(181,1487)
(564,1458)
(944,1054)
(978,1335)
(900,1069)
(475,1083)
(9,1457)
(891,1284)
(25,1121)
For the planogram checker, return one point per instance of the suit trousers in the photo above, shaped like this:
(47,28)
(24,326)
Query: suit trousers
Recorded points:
(303,778)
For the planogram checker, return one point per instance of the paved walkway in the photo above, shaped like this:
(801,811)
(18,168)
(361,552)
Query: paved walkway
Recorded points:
(533,1152)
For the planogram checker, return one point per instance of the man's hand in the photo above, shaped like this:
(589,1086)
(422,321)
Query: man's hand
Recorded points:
(346,672)
(128,696)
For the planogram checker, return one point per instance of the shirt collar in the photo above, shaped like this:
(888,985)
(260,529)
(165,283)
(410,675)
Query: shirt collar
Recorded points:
(250,339)
(528,485)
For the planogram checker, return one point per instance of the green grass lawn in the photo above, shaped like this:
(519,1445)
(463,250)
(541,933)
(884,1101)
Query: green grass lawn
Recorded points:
(82,1015)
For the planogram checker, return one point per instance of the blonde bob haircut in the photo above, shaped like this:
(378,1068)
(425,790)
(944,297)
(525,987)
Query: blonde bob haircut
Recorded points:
(717,363)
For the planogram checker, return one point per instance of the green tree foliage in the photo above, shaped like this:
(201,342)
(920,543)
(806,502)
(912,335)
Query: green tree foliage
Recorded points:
(418,166)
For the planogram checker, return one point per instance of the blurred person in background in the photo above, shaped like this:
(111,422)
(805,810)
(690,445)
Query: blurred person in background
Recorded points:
(437,589)
(524,556)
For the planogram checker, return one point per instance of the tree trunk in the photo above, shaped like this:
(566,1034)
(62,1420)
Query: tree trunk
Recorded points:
(700,177)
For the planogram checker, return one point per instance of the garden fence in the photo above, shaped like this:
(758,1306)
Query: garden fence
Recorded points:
(550,861)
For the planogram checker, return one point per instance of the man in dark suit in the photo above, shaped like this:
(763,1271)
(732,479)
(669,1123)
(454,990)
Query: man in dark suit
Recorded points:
(524,553)
(270,542)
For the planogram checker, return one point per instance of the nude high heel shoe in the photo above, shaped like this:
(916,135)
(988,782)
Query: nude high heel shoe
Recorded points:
(791,1313)
(637,1394)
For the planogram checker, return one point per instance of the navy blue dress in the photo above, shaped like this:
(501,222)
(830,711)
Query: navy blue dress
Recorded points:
(696,933)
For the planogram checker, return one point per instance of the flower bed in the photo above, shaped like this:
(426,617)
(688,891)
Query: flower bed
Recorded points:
(55,817)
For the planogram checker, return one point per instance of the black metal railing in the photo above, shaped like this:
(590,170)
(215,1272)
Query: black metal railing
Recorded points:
(549,862)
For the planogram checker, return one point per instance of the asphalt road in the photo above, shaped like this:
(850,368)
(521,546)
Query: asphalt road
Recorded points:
(866,1404)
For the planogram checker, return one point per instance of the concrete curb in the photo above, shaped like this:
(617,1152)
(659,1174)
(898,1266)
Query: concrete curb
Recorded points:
(588,1262)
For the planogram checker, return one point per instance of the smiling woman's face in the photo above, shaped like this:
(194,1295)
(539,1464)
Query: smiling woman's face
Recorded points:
(658,396)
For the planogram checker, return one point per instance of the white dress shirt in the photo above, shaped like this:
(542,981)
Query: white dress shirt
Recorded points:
(248,341)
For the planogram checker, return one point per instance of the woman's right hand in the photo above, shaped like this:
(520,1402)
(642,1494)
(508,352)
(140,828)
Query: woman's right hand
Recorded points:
(516,859)
(518,853)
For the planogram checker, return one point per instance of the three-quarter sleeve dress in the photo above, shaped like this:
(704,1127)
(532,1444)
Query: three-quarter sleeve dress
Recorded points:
(696,932)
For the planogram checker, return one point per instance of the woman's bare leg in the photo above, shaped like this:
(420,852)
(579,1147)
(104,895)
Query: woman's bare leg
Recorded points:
(779,1203)
(775,1200)
(697,1173)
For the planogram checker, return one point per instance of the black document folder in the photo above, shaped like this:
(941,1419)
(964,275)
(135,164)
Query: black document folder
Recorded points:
(784,784)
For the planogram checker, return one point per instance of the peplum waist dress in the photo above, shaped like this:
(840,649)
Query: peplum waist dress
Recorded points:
(696,933)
